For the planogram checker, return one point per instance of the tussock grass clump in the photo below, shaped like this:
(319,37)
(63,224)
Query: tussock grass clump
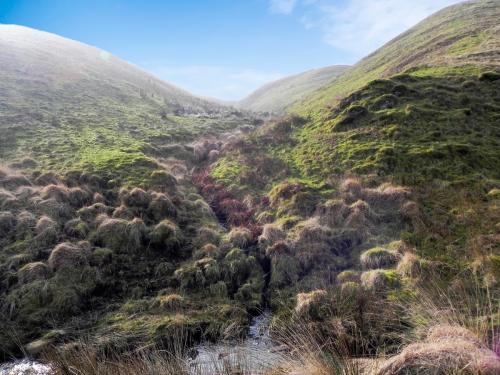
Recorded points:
(79,197)
(446,350)
(123,212)
(240,237)
(89,213)
(113,233)
(209,249)
(202,148)
(348,276)
(169,303)
(360,214)
(136,230)
(6,197)
(351,186)
(98,198)
(411,266)
(48,178)
(311,241)
(76,228)
(386,195)
(58,192)
(378,280)
(90,359)
(25,163)
(213,155)
(25,225)
(161,207)
(46,232)
(277,249)
(333,212)
(378,257)
(44,223)
(7,223)
(33,271)
(57,210)
(284,191)
(67,255)
(271,233)
(11,180)
(166,235)
(137,197)
(206,235)
(309,304)
(163,180)
(350,288)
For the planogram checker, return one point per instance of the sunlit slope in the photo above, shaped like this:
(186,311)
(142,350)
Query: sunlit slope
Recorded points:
(458,36)
(277,96)
(52,73)
(69,105)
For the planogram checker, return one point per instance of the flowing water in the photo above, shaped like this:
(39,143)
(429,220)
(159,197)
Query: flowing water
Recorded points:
(24,367)
(254,355)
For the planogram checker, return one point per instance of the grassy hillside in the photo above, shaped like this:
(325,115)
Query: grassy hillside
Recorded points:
(386,181)
(459,35)
(102,233)
(362,221)
(278,96)
(69,105)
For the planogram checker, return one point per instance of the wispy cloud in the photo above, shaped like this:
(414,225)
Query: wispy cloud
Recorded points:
(213,81)
(282,6)
(361,26)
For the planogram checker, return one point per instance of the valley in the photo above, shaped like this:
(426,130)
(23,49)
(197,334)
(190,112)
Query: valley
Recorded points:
(351,211)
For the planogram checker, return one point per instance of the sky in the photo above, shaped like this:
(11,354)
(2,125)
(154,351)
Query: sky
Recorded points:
(225,49)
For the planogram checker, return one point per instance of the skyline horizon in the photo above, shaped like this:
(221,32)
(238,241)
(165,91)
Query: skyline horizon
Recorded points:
(300,36)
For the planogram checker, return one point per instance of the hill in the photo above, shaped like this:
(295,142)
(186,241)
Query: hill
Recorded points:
(385,181)
(460,37)
(61,97)
(365,216)
(97,209)
(277,96)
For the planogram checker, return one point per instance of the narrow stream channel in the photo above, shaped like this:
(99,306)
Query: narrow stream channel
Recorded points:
(255,354)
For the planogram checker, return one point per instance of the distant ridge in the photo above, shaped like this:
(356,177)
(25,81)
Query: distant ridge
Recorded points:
(277,96)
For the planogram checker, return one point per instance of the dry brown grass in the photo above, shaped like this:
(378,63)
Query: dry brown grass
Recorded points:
(271,233)
(169,302)
(26,222)
(89,213)
(86,359)
(137,197)
(33,271)
(348,276)
(58,192)
(332,212)
(308,301)
(161,207)
(446,350)
(46,232)
(209,249)
(123,212)
(10,179)
(67,255)
(240,237)
(375,280)
(378,257)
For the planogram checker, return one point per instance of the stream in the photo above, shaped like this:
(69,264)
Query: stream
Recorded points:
(253,355)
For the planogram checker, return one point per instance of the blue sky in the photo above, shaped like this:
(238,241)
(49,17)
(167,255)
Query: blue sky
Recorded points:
(225,48)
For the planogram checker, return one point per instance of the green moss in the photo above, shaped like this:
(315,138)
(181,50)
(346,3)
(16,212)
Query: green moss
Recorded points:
(467,43)
(229,170)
